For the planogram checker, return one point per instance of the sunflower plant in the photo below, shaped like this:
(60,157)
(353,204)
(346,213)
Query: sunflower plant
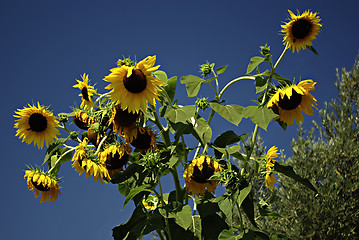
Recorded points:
(138,132)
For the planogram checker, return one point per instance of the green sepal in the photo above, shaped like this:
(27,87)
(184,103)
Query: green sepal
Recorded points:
(311,48)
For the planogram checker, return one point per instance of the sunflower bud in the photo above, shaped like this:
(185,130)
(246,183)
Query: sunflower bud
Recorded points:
(202,103)
(62,118)
(265,51)
(206,68)
(125,62)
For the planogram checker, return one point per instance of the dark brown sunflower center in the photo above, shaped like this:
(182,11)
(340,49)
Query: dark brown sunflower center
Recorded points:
(37,122)
(85,93)
(79,123)
(142,141)
(301,28)
(292,103)
(124,118)
(115,162)
(202,177)
(135,83)
(40,187)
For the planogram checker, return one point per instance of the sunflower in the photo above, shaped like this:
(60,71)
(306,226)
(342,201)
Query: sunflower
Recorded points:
(115,157)
(270,179)
(144,140)
(290,102)
(43,183)
(36,124)
(133,86)
(87,92)
(82,164)
(124,122)
(82,119)
(301,30)
(197,174)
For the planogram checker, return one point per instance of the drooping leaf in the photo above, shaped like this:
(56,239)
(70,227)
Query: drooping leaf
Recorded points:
(203,131)
(259,115)
(212,226)
(254,62)
(184,217)
(196,226)
(232,113)
(289,172)
(193,84)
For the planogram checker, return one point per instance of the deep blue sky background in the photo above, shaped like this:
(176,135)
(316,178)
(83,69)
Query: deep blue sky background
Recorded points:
(45,45)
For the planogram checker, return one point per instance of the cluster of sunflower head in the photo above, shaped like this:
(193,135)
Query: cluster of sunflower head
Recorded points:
(115,126)
(110,125)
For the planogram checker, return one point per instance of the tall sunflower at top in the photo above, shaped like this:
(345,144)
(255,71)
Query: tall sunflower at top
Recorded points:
(301,30)
(134,86)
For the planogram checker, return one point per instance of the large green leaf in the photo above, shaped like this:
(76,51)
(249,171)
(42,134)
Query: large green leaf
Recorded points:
(243,194)
(228,235)
(261,84)
(232,113)
(181,114)
(212,226)
(135,191)
(193,84)
(259,115)
(254,62)
(289,172)
(184,217)
(203,130)
(226,205)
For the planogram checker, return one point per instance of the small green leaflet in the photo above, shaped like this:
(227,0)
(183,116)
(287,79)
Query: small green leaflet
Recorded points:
(255,61)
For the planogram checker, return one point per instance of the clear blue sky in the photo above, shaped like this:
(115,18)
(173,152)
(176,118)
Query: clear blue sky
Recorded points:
(45,45)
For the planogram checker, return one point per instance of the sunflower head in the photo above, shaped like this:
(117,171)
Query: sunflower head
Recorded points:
(82,119)
(145,140)
(291,101)
(115,157)
(134,86)
(271,154)
(123,120)
(301,30)
(87,92)
(36,124)
(270,180)
(44,184)
(84,162)
(197,174)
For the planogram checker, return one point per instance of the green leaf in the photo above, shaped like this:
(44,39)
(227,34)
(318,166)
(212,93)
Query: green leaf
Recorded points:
(259,115)
(221,70)
(289,172)
(202,130)
(232,113)
(52,149)
(181,114)
(161,75)
(227,235)
(184,217)
(170,88)
(212,226)
(226,206)
(261,83)
(135,191)
(193,84)
(254,62)
(243,194)
(228,138)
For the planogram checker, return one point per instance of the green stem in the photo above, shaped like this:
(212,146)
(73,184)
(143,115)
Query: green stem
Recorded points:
(234,81)
(240,217)
(99,146)
(177,184)
(164,132)
(58,160)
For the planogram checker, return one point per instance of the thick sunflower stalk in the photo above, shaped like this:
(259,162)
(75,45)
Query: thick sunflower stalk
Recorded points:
(122,138)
